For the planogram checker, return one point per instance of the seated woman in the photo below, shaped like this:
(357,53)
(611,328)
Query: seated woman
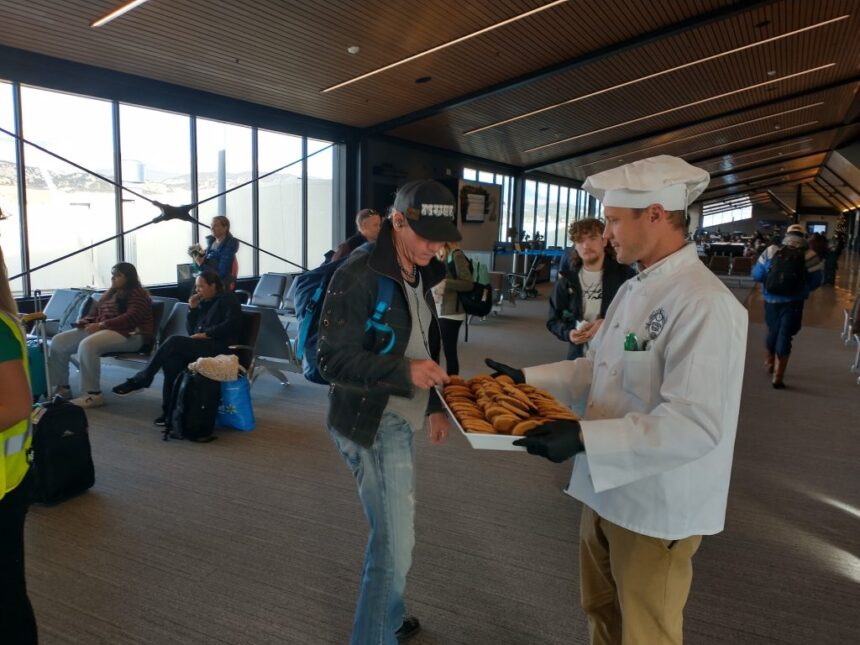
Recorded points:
(121,322)
(220,253)
(451,315)
(214,323)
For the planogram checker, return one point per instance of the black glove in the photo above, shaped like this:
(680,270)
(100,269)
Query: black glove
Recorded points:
(556,440)
(507,370)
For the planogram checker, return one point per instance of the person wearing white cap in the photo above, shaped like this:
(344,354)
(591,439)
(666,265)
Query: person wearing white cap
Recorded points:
(788,273)
(661,385)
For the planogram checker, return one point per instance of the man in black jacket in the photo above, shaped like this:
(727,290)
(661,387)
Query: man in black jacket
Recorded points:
(367,224)
(379,398)
(214,323)
(581,297)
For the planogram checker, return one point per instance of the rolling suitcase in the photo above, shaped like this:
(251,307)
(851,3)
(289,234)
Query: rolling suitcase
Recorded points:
(62,461)
(37,351)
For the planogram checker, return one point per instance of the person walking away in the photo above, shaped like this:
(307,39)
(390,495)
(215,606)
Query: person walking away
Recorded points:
(581,297)
(788,273)
(17,621)
(661,385)
(458,278)
(381,396)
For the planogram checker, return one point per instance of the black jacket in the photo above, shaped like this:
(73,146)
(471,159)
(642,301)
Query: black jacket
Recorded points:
(362,380)
(565,304)
(220,318)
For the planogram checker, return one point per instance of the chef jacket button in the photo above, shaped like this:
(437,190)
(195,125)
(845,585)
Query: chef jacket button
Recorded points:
(616,325)
(591,404)
(614,372)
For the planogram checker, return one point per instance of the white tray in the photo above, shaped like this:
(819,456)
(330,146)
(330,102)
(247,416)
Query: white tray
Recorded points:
(482,440)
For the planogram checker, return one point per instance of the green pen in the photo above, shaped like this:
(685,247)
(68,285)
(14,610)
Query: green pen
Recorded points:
(631,342)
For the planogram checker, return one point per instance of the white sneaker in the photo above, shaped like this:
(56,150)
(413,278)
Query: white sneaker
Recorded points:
(89,401)
(64,391)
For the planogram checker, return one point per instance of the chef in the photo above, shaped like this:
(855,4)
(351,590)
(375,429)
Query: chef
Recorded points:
(661,385)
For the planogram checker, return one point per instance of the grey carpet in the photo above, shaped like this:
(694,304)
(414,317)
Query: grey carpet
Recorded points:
(258,537)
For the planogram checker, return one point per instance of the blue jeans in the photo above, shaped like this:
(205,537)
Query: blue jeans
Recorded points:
(783,320)
(385,474)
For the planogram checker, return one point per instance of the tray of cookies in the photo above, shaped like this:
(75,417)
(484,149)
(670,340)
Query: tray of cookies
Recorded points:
(493,412)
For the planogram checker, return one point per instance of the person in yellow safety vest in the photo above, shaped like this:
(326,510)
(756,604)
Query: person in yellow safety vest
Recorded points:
(17,622)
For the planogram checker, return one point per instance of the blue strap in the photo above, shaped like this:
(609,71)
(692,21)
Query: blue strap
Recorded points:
(384,293)
(305,327)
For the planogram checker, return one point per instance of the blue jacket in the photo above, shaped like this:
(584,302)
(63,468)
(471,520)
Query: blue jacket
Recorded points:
(220,259)
(814,275)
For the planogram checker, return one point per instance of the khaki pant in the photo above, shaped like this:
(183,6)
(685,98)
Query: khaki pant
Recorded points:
(633,587)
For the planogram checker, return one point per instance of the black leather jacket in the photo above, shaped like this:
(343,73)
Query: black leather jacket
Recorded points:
(220,318)
(362,380)
(565,303)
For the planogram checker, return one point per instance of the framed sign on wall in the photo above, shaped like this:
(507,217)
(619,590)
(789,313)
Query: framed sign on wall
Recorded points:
(478,202)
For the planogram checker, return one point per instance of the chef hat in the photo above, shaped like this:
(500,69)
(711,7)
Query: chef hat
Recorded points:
(665,180)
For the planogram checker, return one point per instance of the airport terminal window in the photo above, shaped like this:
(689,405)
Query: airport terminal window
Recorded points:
(156,162)
(68,209)
(224,160)
(281,229)
(550,209)
(320,192)
(718,213)
(10,228)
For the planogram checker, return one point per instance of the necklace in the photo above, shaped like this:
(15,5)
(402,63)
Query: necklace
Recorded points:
(409,275)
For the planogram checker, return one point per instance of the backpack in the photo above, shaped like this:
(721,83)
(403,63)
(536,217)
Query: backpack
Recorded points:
(478,301)
(308,292)
(786,275)
(193,407)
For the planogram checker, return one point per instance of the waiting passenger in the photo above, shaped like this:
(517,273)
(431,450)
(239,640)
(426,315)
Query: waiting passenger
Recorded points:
(581,296)
(458,278)
(121,322)
(220,253)
(214,323)
(368,222)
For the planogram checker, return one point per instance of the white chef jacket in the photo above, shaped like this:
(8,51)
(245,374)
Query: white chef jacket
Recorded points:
(660,424)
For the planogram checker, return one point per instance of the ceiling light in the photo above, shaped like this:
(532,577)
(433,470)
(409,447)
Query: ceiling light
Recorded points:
(353,49)
(682,107)
(784,145)
(444,45)
(657,74)
(116,13)
(701,134)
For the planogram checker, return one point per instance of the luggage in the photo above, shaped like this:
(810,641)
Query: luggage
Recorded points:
(62,462)
(236,410)
(37,350)
(786,275)
(308,293)
(193,407)
(478,301)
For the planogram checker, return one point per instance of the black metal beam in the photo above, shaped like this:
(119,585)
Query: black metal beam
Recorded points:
(753,189)
(826,197)
(771,162)
(788,210)
(696,22)
(668,131)
(841,178)
(766,177)
(836,192)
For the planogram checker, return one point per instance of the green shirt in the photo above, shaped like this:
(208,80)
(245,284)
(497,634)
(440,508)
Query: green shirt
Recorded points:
(10,348)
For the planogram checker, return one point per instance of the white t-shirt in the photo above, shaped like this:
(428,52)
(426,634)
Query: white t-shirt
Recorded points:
(592,293)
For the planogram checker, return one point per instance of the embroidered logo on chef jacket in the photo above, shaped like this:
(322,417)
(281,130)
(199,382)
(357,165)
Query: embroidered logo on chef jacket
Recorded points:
(655,323)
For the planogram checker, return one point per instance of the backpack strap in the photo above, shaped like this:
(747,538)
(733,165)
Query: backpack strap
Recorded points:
(376,322)
(305,327)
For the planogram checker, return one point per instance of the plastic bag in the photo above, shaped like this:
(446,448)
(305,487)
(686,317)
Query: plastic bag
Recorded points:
(235,410)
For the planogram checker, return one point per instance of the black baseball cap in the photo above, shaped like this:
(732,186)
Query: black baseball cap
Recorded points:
(429,208)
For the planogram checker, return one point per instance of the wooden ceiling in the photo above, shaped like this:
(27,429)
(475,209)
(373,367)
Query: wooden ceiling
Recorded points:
(757,92)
